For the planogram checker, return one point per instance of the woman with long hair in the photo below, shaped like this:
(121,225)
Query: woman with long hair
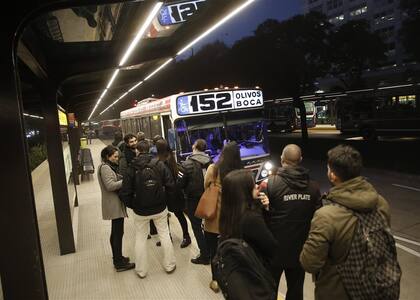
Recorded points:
(241,217)
(113,209)
(230,159)
(175,198)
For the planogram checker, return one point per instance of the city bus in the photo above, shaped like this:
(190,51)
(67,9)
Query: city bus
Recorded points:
(282,116)
(217,116)
(384,111)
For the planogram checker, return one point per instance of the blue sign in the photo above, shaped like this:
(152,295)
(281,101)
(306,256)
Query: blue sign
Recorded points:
(183,106)
(178,13)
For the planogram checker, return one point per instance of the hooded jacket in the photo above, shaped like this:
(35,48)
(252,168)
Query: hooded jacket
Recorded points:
(126,157)
(293,201)
(189,178)
(331,233)
(128,190)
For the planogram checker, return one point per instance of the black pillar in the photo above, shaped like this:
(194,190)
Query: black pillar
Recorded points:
(57,172)
(21,266)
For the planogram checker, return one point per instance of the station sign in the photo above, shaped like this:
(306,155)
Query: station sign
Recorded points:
(178,13)
(218,101)
(62,118)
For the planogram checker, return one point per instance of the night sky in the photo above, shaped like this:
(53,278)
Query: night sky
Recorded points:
(247,20)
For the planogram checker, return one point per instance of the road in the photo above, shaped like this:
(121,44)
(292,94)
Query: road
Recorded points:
(330,132)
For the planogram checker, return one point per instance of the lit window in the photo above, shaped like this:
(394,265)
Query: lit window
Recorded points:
(337,19)
(407,101)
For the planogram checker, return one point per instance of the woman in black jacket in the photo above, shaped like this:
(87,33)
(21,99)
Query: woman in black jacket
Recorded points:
(175,198)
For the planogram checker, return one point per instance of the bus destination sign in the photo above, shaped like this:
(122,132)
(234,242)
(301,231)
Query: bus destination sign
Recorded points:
(218,101)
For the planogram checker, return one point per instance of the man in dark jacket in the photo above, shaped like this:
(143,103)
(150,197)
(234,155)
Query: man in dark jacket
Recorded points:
(293,201)
(191,180)
(144,188)
(128,152)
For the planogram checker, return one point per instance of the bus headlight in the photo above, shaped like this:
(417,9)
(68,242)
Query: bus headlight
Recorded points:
(264,173)
(268,166)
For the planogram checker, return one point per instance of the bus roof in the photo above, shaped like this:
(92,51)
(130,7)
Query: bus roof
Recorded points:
(148,106)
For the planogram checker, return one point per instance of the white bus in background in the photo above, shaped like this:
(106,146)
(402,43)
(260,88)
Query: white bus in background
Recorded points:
(217,116)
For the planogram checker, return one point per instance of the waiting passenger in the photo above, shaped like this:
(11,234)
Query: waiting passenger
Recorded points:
(154,140)
(128,152)
(350,249)
(241,217)
(110,181)
(118,139)
(293,200)
(229,160)
(191,180)
(175,199)
(143,190)
(141,136)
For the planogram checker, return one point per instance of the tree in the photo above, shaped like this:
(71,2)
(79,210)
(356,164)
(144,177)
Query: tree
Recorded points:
(295,52)
(410,30)
(354,49)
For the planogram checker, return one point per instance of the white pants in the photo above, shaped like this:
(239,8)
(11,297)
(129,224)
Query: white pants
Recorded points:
(142,230)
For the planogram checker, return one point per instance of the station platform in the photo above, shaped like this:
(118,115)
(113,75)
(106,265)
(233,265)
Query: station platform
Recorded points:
(89,273)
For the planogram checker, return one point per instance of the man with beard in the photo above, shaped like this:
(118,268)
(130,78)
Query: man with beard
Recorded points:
(293,201)
(128,152)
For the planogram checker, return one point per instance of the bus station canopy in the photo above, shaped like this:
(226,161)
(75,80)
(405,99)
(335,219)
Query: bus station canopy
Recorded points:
(78,48)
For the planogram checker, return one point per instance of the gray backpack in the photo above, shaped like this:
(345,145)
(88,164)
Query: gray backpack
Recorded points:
(371,270)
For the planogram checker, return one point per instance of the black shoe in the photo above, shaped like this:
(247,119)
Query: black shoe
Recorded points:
(200,260)
(158,244)
(149,237)
(124,266)
(125,259)
(186,242)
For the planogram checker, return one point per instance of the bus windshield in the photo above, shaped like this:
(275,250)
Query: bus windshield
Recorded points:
(249,133)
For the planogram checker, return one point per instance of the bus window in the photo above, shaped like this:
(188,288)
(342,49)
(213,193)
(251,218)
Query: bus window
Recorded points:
(146,126)
(155,126)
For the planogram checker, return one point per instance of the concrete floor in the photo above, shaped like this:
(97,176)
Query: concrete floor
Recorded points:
(89,274)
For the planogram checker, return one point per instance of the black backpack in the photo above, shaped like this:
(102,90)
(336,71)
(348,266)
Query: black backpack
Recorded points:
(149,188)
(196,186)
(371,270)
(240,273)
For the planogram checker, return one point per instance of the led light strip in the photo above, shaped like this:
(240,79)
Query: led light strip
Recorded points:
(129,50)
(207,32)
(32,116)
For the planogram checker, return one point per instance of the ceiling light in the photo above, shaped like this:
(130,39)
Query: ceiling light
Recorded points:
(140,33)
(158,69)
(112,78)
(237,10)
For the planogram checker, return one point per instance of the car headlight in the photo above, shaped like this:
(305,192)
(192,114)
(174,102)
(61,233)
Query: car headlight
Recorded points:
(268,166)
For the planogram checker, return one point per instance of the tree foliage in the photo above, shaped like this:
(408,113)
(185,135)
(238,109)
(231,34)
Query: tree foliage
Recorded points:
(353,49)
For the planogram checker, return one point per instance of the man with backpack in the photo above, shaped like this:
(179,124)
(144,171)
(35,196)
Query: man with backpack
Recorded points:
(144,190)
(293,201)
(191,180)
(350,250)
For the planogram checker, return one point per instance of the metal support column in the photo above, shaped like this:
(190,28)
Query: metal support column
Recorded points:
(57,172)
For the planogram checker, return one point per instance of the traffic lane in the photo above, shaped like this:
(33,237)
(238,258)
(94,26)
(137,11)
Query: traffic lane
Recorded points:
(402,191)
(336,134)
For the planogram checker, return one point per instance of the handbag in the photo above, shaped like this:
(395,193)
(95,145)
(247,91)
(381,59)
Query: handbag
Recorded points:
(207,205)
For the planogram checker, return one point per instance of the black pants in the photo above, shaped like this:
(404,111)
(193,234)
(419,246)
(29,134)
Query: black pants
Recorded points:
(294,278)
(211,240)
(183,222)
(196,227)
(117,232)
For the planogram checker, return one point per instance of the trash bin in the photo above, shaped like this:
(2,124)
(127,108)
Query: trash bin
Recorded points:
(83,143)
